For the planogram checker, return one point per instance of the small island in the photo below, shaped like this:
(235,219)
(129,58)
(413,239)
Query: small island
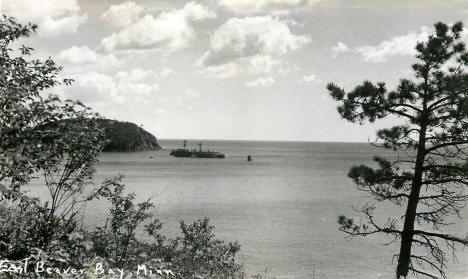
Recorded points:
(121,136)
(184,152)
(127,137)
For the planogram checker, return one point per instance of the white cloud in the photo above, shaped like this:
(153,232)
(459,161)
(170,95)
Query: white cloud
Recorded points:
(108,62)
(223,71)
(340,48)
(278,7)
(249,44)
(94,88)
(309,78)
(83,59)
(195,12)
(169,31)
(191,94)
(137,75)
(78,55)
(123,15)
(54,17)
(251,36)
(261,82)
(36,10)
(166,72)
(403,45)
(66,25)
(395,46)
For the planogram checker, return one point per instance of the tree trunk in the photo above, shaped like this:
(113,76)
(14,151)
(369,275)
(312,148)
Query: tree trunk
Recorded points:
(410,215)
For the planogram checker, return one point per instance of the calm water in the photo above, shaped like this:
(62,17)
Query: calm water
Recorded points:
(282,207)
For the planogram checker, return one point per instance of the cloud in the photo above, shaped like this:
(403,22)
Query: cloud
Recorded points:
(189,94)
(83,59)
(249,44)
(137,85)
(166,72)
(277,7)
(340,48)
(66,25)
(251,36)
(137,75)
(93,87)
(78,55)
(99,89)
(123,15)
(395,46)
(404,45)
(54,17)
(223,71)
(261,82)
(309,78)
(169,31)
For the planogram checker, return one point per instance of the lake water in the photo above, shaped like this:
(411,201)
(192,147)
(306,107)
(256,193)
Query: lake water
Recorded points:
(282,207)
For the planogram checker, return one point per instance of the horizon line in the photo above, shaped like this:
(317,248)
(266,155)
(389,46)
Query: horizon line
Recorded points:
(262,140)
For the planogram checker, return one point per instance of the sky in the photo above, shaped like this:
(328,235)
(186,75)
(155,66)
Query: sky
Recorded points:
(230,69)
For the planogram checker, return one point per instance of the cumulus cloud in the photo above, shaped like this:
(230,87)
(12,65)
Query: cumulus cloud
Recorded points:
(189,94)
(223,71)
(83,59)
(95,88)
(308,78)
(137,75)
(253,44)
(278,7)
(55,27)
(137,85)
(78,55)
(340,48)
(261,82)
(395,46)
(251,36)
(168,31)
(122,15)
(54,17)
(166,72)
(403,45)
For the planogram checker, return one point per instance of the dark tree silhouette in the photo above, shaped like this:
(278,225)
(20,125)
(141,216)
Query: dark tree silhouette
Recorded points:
(430,176)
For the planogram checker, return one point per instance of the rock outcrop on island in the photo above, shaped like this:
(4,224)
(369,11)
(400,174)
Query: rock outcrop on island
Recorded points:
(127,137)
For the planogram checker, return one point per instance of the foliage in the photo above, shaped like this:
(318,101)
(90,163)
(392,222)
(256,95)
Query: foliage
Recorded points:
(199,252)
(116,239)
(126,136)
(430,177)
(196,253)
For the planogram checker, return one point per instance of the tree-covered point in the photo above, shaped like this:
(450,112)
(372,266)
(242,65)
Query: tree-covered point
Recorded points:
(126,137)
(118,136)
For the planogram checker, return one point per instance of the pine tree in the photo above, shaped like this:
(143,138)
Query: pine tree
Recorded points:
(430,177)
